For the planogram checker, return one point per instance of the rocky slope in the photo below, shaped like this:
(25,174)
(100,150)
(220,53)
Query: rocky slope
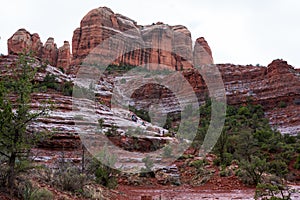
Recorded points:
(74,120)
(160,46)
(276,87)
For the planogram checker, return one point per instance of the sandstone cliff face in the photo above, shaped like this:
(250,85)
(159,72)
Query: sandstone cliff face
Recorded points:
(160,38)
(182,47)
(115,39)
(279,82)
(269,86)
(67,121)
(266,85)
(99,25)
(132,44)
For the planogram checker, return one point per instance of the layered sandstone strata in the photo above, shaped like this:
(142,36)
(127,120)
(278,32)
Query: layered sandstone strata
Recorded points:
(119,40)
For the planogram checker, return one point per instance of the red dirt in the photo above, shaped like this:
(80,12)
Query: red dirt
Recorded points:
(180,192)
(216,187)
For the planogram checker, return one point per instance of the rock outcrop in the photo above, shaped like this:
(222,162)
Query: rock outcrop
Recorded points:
(272,86)
(278,68)
(23,41)
(132,44)
(122,41)
(100,25)
(202,53)
(64,56)
(112,38)
(50,52)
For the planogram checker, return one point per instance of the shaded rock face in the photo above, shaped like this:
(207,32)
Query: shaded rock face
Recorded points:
(132,44)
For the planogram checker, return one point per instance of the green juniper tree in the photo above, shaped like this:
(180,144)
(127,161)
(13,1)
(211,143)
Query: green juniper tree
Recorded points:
(15,115)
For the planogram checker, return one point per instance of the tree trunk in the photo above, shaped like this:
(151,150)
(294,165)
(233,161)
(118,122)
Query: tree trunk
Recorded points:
(82,160)
(11,171)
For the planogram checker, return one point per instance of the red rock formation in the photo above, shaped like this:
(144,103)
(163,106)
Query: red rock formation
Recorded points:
(159,38)
(170,46)
(64,56)
(130,43)
(123,42)
(182,47)
(278,67)
(99,25)
(22,41)
(268,86)
(146,197)
(50,52)
(202,53)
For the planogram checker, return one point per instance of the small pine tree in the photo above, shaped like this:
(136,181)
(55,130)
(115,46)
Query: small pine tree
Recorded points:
(15,115)
(148,163)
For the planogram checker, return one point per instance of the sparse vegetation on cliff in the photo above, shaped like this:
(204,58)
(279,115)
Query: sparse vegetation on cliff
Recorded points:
(260,150)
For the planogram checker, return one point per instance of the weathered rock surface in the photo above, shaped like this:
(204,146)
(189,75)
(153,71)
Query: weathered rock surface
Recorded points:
(202,53)
(22,41)
(112,38)
(99,25)
(132,44)
(265,85)
(271,86)
(74,121)
(163,46)
(279,82)
(64,56)
(50,52)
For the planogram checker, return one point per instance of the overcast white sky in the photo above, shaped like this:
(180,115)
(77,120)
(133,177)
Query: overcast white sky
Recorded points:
(238,31)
